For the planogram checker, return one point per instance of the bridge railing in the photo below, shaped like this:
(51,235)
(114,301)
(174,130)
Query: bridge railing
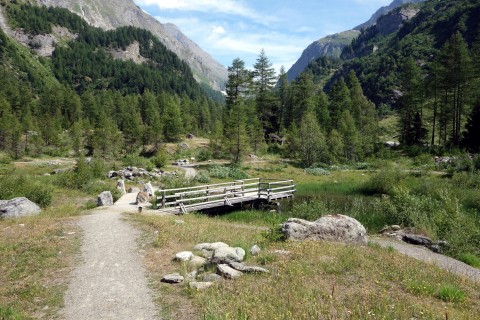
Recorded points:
(223,193)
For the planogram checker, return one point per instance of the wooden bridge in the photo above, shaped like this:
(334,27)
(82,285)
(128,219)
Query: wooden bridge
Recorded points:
(228,194)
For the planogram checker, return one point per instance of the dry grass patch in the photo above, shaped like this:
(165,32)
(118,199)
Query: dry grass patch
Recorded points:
(316,281)
(37,257)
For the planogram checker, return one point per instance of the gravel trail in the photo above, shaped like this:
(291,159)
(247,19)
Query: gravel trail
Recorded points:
(423,254)
(110,283)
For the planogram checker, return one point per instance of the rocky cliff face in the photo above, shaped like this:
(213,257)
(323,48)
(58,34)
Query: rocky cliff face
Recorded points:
(393,21)
(383,11)
(330,46)
(116,13)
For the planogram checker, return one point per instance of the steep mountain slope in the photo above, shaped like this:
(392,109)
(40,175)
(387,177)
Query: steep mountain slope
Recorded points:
(383,11)
(116,13)
(331,46)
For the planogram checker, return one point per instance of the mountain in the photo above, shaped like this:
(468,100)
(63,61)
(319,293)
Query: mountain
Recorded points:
(116,13)
(383,11)
(332,45)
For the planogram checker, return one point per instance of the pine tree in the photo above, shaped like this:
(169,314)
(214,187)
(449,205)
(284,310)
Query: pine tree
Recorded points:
(471,136)
(340,101)
(239,82)
(264,80)
(312,148)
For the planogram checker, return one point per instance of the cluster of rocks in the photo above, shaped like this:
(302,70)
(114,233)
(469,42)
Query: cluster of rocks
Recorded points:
(409,236)
(130,173)
(335,228)
(18,207)
(225,260)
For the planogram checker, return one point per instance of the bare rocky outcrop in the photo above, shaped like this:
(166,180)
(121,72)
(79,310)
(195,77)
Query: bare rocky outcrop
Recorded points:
(336,228)
(18,207)
(132,53)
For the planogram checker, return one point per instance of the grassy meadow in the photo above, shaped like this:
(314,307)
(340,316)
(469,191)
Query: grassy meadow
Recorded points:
(314,281)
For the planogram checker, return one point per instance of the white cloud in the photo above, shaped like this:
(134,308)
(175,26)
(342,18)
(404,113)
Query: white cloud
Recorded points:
(218,30)
(231,7)
(373,3)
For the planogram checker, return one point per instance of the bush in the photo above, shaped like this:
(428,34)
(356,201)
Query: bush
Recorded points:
(227,172)
(160,159)
(203,177)
(383,182)
(13,186)
(134,160)
(317,171)
(204,154)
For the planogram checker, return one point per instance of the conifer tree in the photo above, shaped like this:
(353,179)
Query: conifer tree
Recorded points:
(312,147)
(471,136)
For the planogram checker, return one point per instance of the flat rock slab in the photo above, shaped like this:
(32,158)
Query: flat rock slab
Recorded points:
(110,281)
(173,278)
(228,272)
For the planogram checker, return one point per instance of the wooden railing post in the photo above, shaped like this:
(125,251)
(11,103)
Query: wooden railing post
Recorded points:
(268,192)
(208,193)
(164,198)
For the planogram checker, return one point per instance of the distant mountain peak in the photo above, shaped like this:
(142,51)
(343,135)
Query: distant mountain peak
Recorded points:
(117,13)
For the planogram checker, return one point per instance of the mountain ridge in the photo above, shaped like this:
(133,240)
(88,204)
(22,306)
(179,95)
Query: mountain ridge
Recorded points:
(117,13)
(330,45)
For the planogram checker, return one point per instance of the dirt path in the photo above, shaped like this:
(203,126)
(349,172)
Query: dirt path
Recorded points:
(110,283)
(423,254)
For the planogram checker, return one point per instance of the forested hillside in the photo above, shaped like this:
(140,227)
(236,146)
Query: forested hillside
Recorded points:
(428,71)
(84,99)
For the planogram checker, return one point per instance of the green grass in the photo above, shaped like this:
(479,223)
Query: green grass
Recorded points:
(470,259)
(451,293)
(316,280)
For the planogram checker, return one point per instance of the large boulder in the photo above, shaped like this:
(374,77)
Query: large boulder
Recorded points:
(337,228)
(105,199)
(121,186)
(18,207)
(148,189)
(142,197)
(226,254)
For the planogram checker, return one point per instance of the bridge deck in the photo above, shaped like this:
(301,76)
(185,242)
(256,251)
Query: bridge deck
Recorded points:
(200,198)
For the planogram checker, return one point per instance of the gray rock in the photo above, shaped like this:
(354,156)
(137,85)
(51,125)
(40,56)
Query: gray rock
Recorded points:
(336,228)
(210,246)
(247,269)
(121,186)
(133,190)
(184,256)
(172,278)
(148,188)
(197,262)
(18,207)
(417,239)
(435,248)
(105,199)
(228,272)
(395,227)
(211,277)
(142,197)
(200,285)
(223,254)
(255,250)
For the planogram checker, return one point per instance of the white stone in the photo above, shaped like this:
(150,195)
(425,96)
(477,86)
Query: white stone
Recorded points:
(184,256)
(223,254)
(173,278)
(255,250)
(200,285)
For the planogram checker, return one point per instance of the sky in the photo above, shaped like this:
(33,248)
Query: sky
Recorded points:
(229,29)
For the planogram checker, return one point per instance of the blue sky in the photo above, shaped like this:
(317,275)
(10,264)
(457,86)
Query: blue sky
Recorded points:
(228,29)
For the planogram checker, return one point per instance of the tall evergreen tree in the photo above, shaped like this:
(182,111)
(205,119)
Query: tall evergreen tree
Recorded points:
(471,136)
(264,80)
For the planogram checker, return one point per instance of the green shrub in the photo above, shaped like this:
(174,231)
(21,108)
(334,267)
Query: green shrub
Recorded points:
(160,159)
(134,160)
(204,154)
(383,182)
(5,159)
(13,186)
(227,172)
(317,171)
(203,177)
(450,293)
